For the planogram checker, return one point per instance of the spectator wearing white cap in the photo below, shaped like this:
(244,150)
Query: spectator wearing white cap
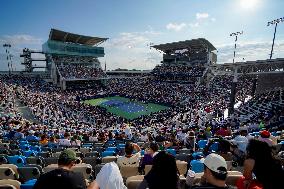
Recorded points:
(215,173)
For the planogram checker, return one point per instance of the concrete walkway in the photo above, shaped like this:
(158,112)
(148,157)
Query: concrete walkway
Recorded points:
(25,111)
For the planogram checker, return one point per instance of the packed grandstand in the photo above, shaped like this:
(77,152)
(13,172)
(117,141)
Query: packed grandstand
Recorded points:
(178,108)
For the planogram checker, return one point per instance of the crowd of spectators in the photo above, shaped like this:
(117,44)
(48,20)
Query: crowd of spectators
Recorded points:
(80,71)
(78,67)
(73,59)
(62,120)
(178,72)
(204,107)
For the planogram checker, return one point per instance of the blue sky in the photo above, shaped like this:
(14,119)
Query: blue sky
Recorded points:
(131,24)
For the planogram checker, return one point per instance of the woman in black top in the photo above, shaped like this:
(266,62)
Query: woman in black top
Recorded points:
(164,173)
(263,165)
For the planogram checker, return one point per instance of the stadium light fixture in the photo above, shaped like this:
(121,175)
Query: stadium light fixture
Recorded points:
(274,22)
(236,34)
(235,78)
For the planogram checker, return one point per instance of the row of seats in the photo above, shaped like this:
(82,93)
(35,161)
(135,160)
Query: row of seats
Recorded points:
(134,181)
(10,171)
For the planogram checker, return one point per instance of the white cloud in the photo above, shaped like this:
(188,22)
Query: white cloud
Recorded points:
(131,50)
(199,19)
(202,16)
(194,25)
(127,40)
(21,39)
(249,51)
(176,27)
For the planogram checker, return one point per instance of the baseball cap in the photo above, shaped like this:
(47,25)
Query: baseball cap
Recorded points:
(265,134)
(214,162)
(68,154)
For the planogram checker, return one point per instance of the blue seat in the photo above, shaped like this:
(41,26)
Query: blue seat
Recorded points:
(107,153)
(36,148)
(110,142)
(197,166)
(201,144)
(274,133)
(113,149)
(23,142)
(214,147)
(172,151)
(142,152)
(256,133)
(119,146)
(32,181)
(282,142)
(25,147)
(29,184)
(20,161)
(29,153)
(87,145)
(196,155)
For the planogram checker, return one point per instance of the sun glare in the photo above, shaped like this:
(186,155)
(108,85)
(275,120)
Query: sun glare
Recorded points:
(249,4)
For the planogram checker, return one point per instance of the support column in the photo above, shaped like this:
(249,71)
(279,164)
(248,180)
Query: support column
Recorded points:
(232,98)
(254,83)
(233,92)
(63,85)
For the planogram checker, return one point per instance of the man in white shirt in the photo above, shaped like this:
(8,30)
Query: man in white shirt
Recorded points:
(242,139)
(144,137)
(65,141)
(130,159)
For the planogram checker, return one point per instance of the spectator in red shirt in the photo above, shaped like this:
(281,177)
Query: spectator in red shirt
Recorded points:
(223,131)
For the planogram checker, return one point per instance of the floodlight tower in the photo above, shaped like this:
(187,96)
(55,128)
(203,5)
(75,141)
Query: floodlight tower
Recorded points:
(274,22)
(235,79)
(235,34)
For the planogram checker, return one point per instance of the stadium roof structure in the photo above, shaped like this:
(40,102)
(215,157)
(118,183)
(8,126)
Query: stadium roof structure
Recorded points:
(193,45)
(62,36)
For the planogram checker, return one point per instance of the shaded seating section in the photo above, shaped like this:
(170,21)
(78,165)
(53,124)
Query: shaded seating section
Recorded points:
(27,167)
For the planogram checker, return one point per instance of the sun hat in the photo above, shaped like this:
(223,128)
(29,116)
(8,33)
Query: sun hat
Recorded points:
(68,154)
(215,163)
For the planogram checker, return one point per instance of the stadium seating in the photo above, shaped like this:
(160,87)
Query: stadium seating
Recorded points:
(127,171)
(109,159)
(134,181)
(16,160)
(172,151)
(182,167)
(10,182)
(197,166)
(201,144)
(57,113)
(28,173)
(107,153)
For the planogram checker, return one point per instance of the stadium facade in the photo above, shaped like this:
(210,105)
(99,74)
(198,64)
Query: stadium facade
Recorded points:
(66,52)
(185,61)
